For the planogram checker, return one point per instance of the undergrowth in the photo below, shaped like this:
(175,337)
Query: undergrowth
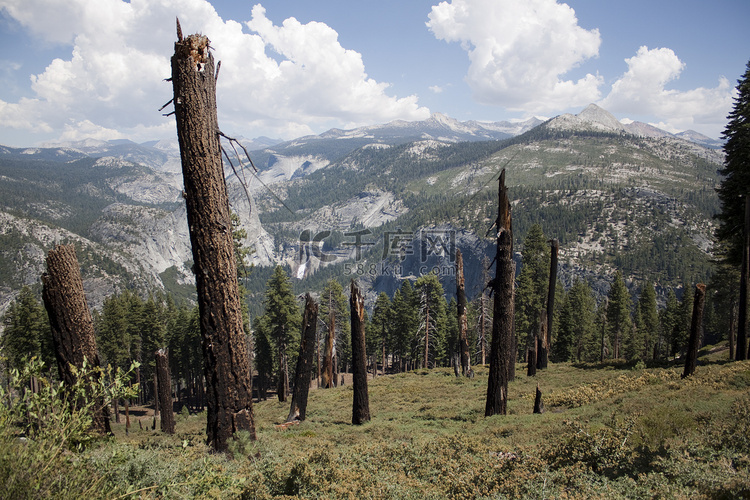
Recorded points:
(609,432)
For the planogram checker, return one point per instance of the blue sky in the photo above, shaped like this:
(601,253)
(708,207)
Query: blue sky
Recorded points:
(95,68)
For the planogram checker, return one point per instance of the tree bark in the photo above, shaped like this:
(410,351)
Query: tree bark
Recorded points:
(164,383)
(695,330)
(463,326)
(361,404)
(742,340)
(303,373)
(502,321)
(226,360)
(71,321)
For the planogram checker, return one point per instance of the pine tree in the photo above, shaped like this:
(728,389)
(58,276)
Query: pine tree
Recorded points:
(649,324)
(405,322)
(669,319)
(27,331)
(382,316)
(619,322)
(431,343)
(283,321)
(736,183)
(533,283)
(576,330)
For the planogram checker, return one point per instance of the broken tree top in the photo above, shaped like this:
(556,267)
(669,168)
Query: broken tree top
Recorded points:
(194,47)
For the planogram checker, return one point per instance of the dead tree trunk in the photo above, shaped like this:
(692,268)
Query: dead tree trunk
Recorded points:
(361,404)
(165,391)
(742,339)
(502,321)
(531,354)
(303,373)
(538,405)
(695,330)
(463,327)
(542,341)
(554,250)
(226,360)
(328,376)
(71,321)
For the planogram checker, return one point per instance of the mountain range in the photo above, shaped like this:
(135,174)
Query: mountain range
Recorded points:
(616,195)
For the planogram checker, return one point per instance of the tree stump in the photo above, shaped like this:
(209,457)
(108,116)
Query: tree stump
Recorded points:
(538,405)
(226,360)
(71,321)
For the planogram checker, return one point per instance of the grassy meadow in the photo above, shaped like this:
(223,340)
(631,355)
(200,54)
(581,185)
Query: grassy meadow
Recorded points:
(609,431)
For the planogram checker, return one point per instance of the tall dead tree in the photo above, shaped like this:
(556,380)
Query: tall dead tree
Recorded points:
(463,335)
(328,375)
(695,330)
(543,358)
(303,373)
(165,391)
(502,321)
(71,322)
(226,360)
(742,339)
(361,403)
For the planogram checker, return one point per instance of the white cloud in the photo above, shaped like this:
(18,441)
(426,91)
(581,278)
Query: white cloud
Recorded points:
(437,89)
(113,81)
(519,51)
(642,90)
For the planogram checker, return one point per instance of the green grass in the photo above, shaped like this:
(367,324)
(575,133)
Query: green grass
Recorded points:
(610,431)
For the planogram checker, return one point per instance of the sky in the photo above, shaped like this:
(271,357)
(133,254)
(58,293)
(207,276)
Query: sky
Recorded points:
(83,69)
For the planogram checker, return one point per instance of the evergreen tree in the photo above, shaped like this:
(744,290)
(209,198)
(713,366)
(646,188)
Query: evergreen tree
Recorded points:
(431,346)
(619,322)
(533,281)
(736,183)
(27,332)
(382,316)
(282,319)
(576,330)
(649,323)
(669,319)
(685,318)
(405,323)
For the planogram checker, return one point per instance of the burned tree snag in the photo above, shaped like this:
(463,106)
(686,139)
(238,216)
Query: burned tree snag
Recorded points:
(328,377)
(554,251)
(71,321)
(463,326)
(695,330)
(538,405)
(226,360)
(165,391)
(303,373)
(542,341)
(531,354)
(742,340)
(361,404)
(502,321)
